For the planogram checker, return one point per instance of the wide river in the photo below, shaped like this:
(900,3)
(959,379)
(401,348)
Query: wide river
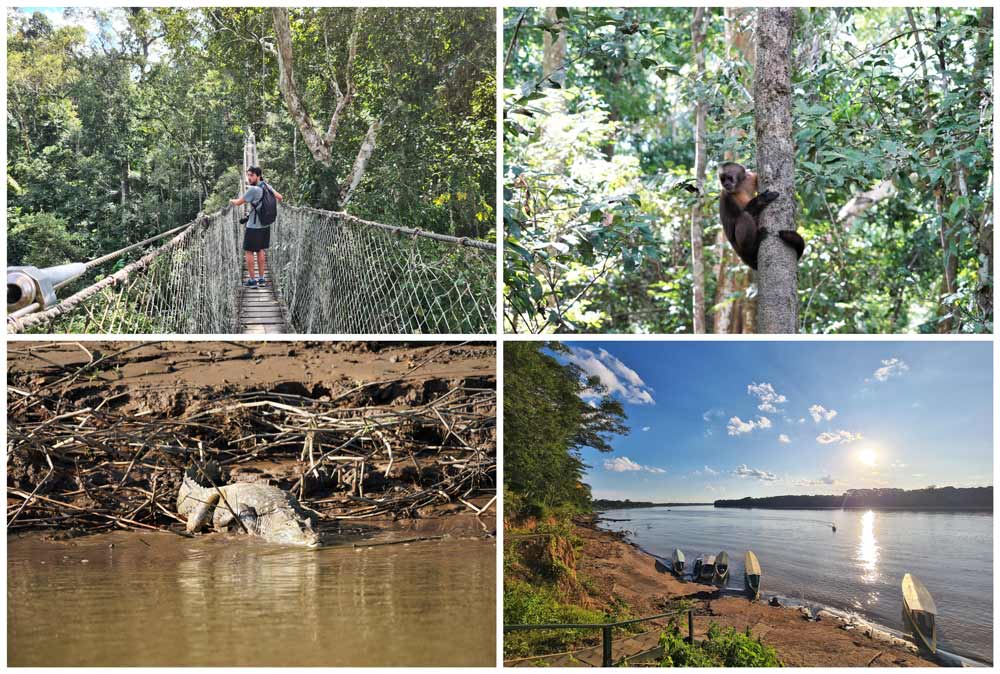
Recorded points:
(858,568)
(159,599)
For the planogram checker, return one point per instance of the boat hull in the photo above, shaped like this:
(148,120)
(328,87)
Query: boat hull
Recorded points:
(920,612)
(720,575)
(751,575)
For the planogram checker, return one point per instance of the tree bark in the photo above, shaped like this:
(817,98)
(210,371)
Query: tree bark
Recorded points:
(319,144)
(290,92)
(554,50)
(862,201)
(360,163)
(984,225)
(733,278)
(777,283)
(700,158)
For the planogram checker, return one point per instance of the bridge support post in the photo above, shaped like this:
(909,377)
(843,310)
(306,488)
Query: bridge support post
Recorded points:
(606,657)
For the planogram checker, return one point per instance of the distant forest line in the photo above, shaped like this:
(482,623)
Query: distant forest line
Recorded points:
(611,504)
(930,498)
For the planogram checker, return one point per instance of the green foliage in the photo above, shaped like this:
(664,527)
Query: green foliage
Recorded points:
(135,128)
(42,238)
(546,424)
(597,224)
(721,648)
(525,604)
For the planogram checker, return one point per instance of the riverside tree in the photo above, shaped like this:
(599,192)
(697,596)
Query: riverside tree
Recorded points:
(547,423)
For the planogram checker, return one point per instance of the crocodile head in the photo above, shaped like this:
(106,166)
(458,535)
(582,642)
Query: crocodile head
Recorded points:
(282,526)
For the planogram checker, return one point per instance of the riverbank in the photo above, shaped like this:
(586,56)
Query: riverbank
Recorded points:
(369,436)
(617,572)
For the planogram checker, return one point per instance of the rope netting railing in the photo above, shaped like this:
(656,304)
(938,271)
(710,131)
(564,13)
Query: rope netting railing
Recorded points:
(340,274)
(184,286)
(336,273)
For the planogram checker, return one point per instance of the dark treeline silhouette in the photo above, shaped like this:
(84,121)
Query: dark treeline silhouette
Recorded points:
(609,504)
(929,498)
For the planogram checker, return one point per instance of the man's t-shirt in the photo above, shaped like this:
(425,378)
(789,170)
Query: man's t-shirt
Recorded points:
(253,195)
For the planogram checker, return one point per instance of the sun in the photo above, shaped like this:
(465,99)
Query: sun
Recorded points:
(867,456)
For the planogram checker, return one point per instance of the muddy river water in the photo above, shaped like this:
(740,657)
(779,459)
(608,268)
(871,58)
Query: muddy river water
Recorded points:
(159,599)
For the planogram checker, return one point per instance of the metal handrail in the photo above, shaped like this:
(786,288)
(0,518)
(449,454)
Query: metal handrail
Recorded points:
(606,628)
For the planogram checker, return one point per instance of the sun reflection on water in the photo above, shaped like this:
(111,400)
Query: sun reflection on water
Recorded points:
(868,552)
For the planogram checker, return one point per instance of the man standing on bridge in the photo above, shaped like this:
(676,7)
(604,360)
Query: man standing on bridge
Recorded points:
(257,237)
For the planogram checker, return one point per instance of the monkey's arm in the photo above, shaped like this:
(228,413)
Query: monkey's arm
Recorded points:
(760,202)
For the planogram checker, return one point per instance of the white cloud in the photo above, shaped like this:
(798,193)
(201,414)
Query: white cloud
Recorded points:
(624,371)
(645,428)
(706,471)
(762,475)
(738,427)
(802,420)
(826,480)
(898,465)
(613,374)
(623,464)
(769,398)
(820,413)
(839,437)
(713,413)
(784,439)
(891,367)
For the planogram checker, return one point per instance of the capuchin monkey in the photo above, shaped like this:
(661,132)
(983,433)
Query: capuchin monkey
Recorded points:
(739,208)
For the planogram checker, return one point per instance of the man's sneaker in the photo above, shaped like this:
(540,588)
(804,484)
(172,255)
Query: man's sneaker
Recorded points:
(261,282)
(250,282)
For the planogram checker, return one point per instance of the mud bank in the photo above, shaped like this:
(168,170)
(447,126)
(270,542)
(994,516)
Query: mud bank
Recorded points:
(372,437)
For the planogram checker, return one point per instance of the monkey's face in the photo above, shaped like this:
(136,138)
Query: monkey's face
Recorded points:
(731,175)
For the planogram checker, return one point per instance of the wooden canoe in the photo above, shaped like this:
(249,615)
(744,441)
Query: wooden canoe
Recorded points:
(751,575)
(705,567)
(721,577)
(920,611)
(678,562)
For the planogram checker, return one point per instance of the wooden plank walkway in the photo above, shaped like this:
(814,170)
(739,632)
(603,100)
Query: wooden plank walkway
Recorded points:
(261,312)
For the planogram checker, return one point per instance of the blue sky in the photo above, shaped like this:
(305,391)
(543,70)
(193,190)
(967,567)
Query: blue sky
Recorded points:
(732,419)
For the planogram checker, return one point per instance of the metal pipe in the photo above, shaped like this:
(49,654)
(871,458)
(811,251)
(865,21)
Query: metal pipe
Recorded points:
(606,660)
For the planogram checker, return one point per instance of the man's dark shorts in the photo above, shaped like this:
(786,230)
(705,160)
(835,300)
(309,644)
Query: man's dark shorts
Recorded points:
(255,239)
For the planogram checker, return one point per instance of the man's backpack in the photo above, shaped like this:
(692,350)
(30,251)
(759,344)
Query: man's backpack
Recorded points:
(267,207)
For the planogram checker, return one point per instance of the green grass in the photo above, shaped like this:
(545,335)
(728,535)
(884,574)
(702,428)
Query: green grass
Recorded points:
(722,648)
(525,604)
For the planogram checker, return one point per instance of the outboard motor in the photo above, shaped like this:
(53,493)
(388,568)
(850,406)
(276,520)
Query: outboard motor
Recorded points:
(30,285)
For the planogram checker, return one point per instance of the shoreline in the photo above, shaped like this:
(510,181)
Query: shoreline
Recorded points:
(624,571)
(864,626)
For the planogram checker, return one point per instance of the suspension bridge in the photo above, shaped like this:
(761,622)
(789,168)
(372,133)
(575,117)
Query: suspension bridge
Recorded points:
(329,272)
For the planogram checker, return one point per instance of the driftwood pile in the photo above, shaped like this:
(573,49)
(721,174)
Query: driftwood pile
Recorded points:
(94,468)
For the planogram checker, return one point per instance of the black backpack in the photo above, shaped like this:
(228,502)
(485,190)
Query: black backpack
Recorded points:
(267,208)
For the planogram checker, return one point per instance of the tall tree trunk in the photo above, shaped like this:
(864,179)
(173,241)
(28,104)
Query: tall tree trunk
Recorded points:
(554,50)
(290,91)
(777,283)
(700,157)
(984,224)
(319,143)
(733,278)
(360,163)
